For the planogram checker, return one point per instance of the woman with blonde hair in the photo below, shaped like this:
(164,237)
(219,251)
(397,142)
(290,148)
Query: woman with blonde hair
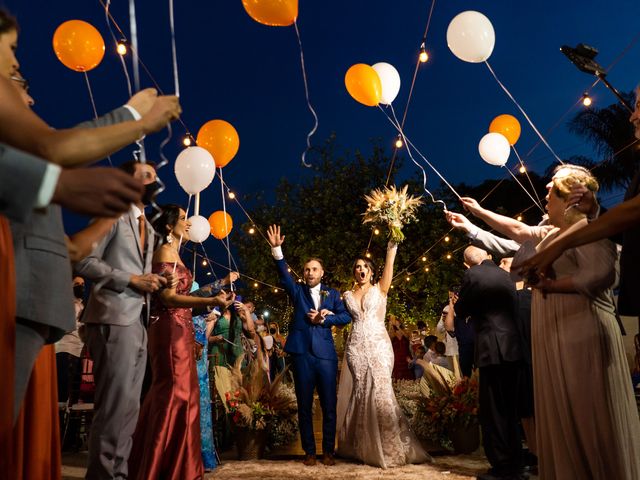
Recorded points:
(587,422)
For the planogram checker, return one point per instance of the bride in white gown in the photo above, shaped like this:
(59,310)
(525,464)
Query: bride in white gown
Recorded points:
(371,426)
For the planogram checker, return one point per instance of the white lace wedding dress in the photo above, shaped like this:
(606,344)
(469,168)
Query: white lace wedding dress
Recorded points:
(371,426)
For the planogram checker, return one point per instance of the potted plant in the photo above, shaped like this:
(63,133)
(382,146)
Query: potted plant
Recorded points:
(263,413)
(452,415)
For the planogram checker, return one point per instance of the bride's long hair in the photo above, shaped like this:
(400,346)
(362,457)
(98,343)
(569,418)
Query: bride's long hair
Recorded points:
(370,264)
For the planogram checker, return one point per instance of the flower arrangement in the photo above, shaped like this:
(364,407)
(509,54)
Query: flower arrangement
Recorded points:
(432,417)
(443,410)
(392,207)
(257,404)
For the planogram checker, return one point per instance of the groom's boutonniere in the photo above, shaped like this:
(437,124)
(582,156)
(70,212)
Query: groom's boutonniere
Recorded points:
(324,294)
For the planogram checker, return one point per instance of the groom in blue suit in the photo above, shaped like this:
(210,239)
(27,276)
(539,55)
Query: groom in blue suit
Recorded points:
(310,344)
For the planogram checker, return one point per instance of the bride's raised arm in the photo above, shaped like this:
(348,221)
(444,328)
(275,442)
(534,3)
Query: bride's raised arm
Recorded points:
(387,273)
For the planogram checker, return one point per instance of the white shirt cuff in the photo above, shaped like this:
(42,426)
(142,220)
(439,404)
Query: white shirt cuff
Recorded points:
(277,252)
(134,112)
(473,232)
(48,185)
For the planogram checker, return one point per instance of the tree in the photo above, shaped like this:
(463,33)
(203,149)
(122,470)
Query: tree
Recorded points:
(322,216)
(610,131)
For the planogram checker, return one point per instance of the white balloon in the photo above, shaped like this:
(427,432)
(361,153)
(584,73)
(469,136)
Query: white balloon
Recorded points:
(471,37)
(390,79)
(194,169)
(494,148)
(200,229)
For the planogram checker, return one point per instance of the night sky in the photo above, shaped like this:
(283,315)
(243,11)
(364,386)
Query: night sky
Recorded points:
(249,74)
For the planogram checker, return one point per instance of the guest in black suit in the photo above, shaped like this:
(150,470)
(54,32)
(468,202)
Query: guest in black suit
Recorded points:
(489,298)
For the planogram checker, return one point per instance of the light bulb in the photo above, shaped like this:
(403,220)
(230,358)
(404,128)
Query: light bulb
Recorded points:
(446,239)
(424,259)
(376,232)
(232,195)
(408,279)
(255,285)
(523,169)
(586,100)
(209,274)
(368,255)
(186,141)
(399,142)
(448,256)
(121,48)
(252,230)
(204,263)
(519,218)
(424,56)
(275,290)
(426,269)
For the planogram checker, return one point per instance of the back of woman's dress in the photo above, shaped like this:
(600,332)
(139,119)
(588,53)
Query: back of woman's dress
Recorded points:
(586,417)
(166,444)
(371,426)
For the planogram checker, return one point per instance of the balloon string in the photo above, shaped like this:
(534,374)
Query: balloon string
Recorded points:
(523,112)
(395,123)
(522,186)
(306,93)
(133,27)
(209,263)
(180,241)
(226,227)
(408,142)
(93,106)
(176,82)
(115,41)
(163,161)
(141,154)
(524,169)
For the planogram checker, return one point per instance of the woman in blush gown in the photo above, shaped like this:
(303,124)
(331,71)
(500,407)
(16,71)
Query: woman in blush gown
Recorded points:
(166,444)
(371,426)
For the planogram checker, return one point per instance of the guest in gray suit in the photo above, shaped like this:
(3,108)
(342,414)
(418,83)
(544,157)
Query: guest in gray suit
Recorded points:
(116,315)
(42,264)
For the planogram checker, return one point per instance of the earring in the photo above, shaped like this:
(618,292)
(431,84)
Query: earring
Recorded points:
(169,239)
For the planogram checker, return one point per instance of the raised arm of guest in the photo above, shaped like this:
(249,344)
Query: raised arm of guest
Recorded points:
(614,221)
(482,238)
(21,128)
(510,227)
(171,298)
(214,288)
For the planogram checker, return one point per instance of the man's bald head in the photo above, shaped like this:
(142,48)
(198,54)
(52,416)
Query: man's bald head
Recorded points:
(475,256)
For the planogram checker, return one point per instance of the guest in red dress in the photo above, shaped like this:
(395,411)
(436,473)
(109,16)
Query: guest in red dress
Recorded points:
(166,444)
(401,350)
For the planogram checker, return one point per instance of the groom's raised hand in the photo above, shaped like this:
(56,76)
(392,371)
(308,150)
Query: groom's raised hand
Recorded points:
(273,234)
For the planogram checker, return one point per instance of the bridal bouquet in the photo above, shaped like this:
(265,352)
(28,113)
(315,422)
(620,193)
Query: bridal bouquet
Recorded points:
(392,207)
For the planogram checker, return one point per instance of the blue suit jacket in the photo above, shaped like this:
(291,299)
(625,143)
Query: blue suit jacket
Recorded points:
(305,337)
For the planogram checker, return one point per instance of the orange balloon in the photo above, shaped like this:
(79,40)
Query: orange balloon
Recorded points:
(78,45)
(275,13)
(220,139)
(218,227)
(363,84)
(508,126)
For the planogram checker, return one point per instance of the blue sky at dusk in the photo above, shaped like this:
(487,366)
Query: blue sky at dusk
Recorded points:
(232,68)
